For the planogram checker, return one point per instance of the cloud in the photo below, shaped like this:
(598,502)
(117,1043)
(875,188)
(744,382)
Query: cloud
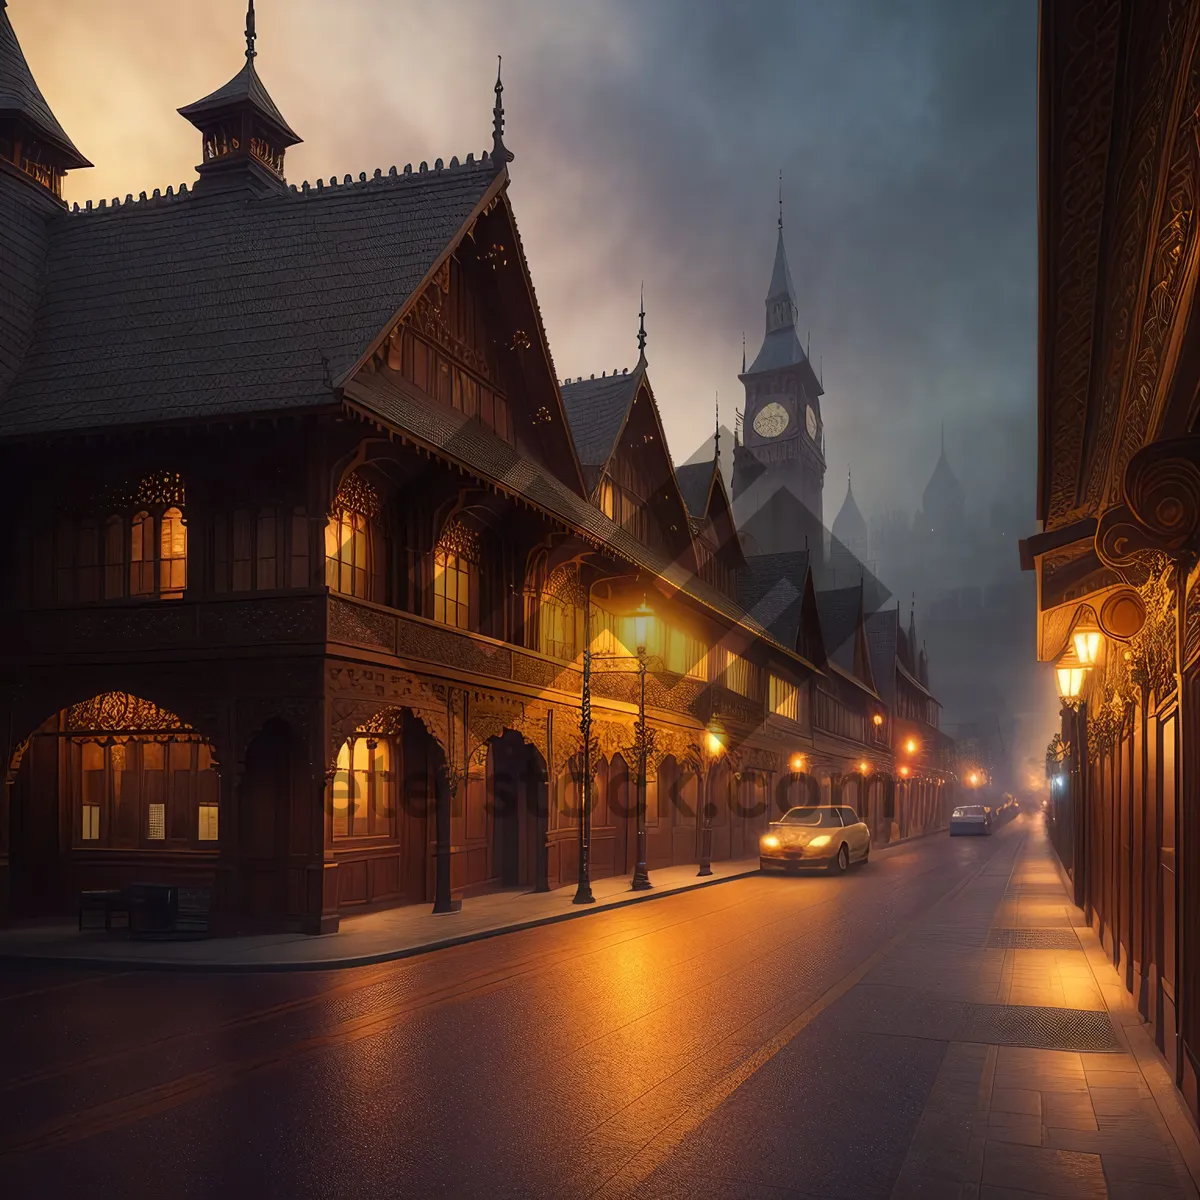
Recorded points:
(648,139)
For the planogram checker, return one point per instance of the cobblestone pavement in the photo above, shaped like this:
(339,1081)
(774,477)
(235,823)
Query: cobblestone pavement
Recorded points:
(866,1035)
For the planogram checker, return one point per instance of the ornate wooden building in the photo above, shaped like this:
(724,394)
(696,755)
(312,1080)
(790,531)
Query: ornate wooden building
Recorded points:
(1119,484)
(310,543)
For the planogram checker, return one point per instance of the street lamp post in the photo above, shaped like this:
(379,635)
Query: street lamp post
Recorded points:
(583,890)
(1071,672)
(714,745)
(641,619)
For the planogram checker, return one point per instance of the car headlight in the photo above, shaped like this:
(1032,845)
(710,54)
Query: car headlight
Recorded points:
(821,840)
(770,842)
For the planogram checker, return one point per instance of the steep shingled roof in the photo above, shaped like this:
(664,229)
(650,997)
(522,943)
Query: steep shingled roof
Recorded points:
(596,411)
(839,612)
(192,306)
(695,483)
(406,408)
(883,635)
(244,88)
(21,97)
(771,589)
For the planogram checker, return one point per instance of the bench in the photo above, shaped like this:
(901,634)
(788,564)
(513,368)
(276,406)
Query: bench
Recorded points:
(107,901)
(160,910)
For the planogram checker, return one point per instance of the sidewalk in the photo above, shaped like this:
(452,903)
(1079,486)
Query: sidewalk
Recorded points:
(362,940)
(1050,1085)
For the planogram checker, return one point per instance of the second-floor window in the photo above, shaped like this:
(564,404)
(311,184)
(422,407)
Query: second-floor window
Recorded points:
(784,698)
(349,538)
(455,576)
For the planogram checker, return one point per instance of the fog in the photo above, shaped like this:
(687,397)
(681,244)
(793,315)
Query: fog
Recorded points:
(649,139)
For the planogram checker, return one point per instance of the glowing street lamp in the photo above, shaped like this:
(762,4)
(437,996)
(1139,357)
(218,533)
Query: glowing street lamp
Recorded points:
(1087,645)
(641,626)
(798,762)
(973,779)
(714,741)
(864,767)
(911,745)
(904,772)
(1071,673)
(878,719)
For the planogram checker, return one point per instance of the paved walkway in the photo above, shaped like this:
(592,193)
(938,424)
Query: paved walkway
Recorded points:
(370,938)
(1010,1118)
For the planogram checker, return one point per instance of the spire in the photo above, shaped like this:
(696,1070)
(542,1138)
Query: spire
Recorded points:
(642,328)
(717,431)
(781,200)
(46,153)
(244,134)
(500,152)
(250,35)
(743,352)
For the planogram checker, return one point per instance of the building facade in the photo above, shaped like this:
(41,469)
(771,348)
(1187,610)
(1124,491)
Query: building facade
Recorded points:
(1119,487)
(319,569)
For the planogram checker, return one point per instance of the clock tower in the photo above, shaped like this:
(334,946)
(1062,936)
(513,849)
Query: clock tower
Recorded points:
(783,443)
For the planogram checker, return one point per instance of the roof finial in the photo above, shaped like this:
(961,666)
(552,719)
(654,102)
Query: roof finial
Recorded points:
(500,153)
(717,434)
(943,439)
(250,34)
(743,352)
(642,326)
(780,199)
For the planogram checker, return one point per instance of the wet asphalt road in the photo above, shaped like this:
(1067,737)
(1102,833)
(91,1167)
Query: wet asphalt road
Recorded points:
(606,1056)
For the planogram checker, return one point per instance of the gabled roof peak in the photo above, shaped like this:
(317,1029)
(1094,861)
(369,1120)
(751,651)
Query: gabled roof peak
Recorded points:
(21,100)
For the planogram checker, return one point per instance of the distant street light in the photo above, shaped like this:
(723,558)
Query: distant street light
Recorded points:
(911,745)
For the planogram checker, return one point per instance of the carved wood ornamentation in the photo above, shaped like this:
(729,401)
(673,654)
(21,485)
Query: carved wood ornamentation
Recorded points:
(1086,96)
(1154,53)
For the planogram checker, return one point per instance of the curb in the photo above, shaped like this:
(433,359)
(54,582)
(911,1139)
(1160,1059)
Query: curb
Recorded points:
(360,960)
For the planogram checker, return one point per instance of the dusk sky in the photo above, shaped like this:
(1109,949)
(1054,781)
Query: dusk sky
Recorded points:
(648,140)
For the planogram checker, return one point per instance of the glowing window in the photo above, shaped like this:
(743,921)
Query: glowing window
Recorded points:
(207,831)
(783,697)
(608,503)
(141,555)
(454,564)
(90,826)
(347,545)
(172,555)
(362,789)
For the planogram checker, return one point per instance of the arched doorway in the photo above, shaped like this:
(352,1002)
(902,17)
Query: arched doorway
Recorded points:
(720,789)
(380,812)
(517,785)
(111,791)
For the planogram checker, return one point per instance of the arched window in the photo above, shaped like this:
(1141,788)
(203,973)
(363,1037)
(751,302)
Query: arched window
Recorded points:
(455,576)
(141,555)
(362,789)
(172,565)
(560,627)
(348,538)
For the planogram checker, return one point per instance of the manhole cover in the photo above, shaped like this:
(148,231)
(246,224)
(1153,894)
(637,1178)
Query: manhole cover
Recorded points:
(1033,939)
(1040,1028)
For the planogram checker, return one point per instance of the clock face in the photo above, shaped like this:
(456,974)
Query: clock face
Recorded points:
(810,422)
(771,420)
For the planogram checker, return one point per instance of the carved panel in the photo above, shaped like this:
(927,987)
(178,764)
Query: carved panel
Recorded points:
(358,624)
(1153,58)
(418,640)
(1085,94)
(264,621)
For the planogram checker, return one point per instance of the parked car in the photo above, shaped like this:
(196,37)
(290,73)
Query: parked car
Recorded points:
(826,836)
(972,819)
